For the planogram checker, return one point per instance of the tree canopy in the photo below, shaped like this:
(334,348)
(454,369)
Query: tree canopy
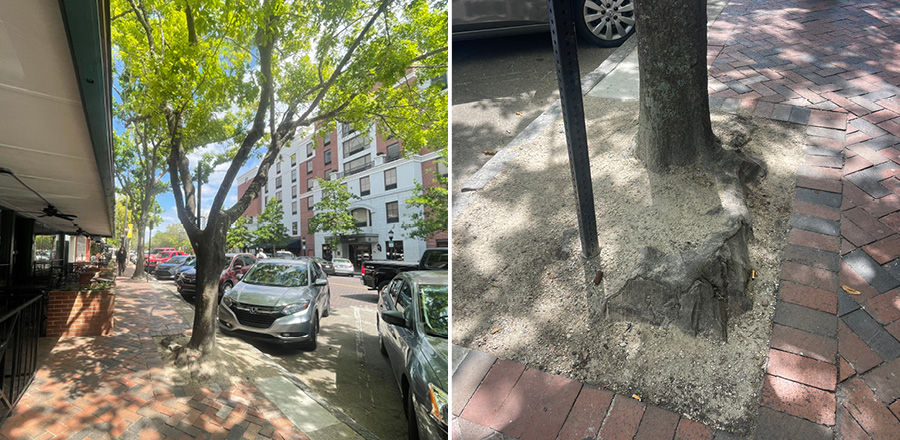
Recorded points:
(333,212)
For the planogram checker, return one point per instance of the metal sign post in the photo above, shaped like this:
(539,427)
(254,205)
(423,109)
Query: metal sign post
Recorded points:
(562,28)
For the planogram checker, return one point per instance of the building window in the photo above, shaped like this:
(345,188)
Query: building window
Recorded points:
(327,157)
(364,186)
(294,228)
(361,217)
(309,149)
(357,165)
(294,209)
(309,166)
(293,159)
(265,200)
(278,195)
(327,141)
(441,242)
(390,179)
(310,183)
(346,130)
(354,145)
(393,152)
(278,182)
(328,174)
(294,175)
(309,203)
(393,212)
(441,168)
(277,167)
(293,191)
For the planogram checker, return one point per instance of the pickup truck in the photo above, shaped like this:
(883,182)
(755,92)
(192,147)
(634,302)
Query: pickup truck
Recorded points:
(378,273)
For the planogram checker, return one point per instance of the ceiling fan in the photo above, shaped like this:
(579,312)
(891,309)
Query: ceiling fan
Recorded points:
(49,210)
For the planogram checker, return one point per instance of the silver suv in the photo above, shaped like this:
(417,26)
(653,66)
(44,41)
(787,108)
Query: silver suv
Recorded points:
(278,300)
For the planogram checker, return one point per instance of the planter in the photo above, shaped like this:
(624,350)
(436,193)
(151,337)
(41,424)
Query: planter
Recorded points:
(81,313)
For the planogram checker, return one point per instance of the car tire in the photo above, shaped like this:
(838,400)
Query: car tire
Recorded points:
(605,27)
(314,336)
(412,423)
(381,286)
(226,287)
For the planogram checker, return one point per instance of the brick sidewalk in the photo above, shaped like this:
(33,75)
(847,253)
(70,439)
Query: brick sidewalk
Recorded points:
(114,387)
(834,363)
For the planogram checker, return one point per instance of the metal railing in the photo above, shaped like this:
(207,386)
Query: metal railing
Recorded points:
(20,328)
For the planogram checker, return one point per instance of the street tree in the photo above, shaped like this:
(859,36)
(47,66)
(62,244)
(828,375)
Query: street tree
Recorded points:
(173,236)
(333,212)
(270,228)
(674,127)
(239,235)
(259,73)
(432,200)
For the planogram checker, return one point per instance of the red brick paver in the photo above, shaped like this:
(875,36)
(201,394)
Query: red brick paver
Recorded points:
(112,386)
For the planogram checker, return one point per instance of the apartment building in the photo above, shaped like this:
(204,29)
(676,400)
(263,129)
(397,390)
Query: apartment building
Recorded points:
(374,169)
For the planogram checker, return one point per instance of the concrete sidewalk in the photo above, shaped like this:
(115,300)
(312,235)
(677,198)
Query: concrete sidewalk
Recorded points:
(834,359)
(116,387)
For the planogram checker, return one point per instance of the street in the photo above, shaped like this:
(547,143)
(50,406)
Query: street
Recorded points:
(347,369)
(500,85)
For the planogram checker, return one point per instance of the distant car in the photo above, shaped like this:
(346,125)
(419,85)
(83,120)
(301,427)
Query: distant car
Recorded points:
(284,254)
(327,266)
(605,23)
(159,258)
(342,266)
(278,300)
(238,265)
(188,265)
(412,331)
(167,269)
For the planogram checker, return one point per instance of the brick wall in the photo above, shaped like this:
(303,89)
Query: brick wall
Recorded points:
(87,313)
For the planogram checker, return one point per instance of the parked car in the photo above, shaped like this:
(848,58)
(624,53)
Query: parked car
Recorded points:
(159,258)
(605,23)
(238,265)
(166,270)
(342,266)
(283,254)
(278,300)
(188,265)
(327,266)
(377,273)
(412,331)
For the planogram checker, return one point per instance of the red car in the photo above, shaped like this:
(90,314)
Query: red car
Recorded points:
(155,259)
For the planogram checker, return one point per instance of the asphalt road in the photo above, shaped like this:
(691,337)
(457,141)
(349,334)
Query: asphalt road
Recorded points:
(499,86)
(347,369)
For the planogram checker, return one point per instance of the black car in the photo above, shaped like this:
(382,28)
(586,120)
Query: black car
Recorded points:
(327,266)
(167,270)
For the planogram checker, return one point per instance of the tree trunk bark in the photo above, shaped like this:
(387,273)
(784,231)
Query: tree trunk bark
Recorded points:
(139,261)
(210,251)
(674,125)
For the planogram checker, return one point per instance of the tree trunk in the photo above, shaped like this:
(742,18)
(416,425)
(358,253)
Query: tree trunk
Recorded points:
(139,261)
(210,250)
(674,125)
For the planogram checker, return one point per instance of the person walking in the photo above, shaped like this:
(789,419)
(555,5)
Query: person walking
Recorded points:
(121,256)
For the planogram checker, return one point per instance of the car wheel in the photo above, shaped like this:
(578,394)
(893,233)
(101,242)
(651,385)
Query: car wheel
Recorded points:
(605,23)
(381,286)
(314,337)
(227,287)
(412,422)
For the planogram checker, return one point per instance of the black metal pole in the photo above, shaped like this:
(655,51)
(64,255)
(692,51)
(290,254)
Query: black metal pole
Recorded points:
(562,29)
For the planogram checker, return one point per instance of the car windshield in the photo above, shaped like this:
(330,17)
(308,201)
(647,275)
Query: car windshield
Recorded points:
(341,260)
(177,259)
(434,308)
(275,274)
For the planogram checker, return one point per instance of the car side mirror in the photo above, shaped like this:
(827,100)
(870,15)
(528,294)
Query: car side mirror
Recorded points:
(320,282)
(394,317)
(240,276)
(237,267)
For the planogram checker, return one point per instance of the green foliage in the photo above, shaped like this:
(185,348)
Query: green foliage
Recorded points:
(432,200)
(270,228)
(333,212)
(239,235)
(174,236)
